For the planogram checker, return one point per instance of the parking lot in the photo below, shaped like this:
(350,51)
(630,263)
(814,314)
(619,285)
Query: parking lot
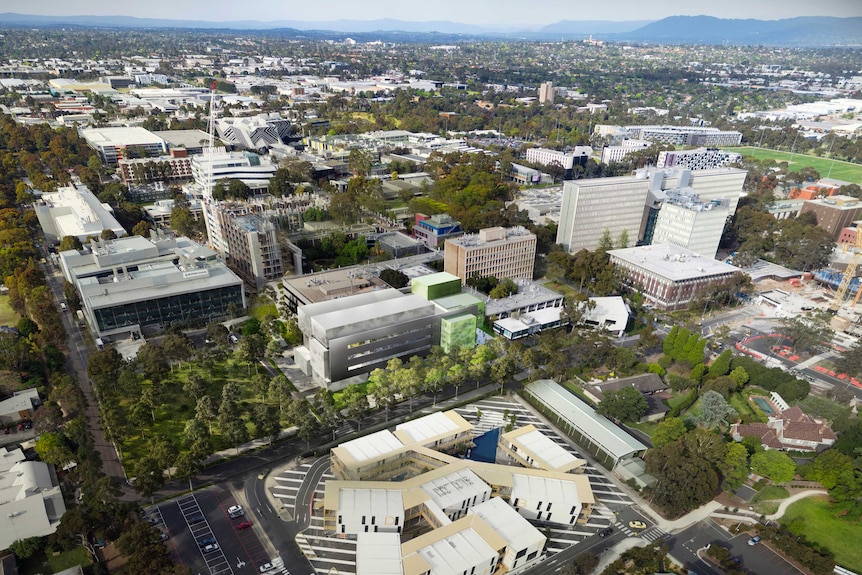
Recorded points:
(202,536)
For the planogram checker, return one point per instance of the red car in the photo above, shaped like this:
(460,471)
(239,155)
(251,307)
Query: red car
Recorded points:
(243,525)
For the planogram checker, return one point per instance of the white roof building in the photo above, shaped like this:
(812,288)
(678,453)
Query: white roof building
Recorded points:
(19,406)
(30,498)
(378,554)
(114,143)
(533,448)
(369,510)
(75,211)
(456,492)
(523,541)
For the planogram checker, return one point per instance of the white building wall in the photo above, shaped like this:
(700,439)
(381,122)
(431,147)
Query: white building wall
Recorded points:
(698,231)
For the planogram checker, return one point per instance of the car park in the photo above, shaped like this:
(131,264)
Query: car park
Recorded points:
(754,540)
(243,525)
(235,511)
(637,524)
(605,532)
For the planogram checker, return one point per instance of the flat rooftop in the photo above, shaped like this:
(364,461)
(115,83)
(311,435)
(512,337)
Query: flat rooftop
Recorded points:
(326,285)
(673,262)
(134,136)
(547,453)
(431,427)
(370,447)
(186,138)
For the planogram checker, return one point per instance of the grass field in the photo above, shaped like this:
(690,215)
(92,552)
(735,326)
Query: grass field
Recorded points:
(818,521)
(839,170)
(7,316)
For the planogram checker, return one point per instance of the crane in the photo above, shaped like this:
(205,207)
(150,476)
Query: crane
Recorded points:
(849,274)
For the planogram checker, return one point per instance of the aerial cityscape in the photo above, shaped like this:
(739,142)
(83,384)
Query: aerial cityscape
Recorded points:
(364,288)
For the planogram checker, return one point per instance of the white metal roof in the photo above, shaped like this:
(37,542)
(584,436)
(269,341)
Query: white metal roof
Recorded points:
(370,502)
(596,427)
(510,524)
(451,490)
(372,446)
(543,447)
(457,553)
(424,428)
(545,489)
(378,554)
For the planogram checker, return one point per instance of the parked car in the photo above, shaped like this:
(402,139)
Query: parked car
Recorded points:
(243,525)
(754,540)
(266,567)
(206,541)
(235,511)
(197,518)
(211,548)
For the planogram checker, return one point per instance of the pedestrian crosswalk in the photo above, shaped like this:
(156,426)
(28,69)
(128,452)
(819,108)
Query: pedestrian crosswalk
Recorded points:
(654,534)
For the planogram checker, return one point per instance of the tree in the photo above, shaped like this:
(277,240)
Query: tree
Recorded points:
(25,548)
(53,448)
(734,466)
(670,429)
(828,468)
(149,476)
(266,423)
(195,386)
(775,465)
(395,278)
(359,162)
(357,404)
(715,410)
(70,243)
(684,481)
(251,349)
(142,228)
(626,405)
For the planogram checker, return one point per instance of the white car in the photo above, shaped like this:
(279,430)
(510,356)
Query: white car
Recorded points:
(235,511)
(266,567)
(211,547)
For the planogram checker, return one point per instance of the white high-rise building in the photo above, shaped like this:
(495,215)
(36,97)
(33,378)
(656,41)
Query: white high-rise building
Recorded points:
(546,93)
(686,221)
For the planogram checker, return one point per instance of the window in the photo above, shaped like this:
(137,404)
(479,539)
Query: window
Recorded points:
(521,553)
(532,555)
(363,519)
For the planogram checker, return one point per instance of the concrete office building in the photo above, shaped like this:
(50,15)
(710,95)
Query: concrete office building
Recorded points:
(252,248)
(834,213)
(32,501)
(686,221)
(611,154)
(499,252)
(329,284)
(193,142)
(669,276)
(699,159)
(593,206)
(567,160)
(434,230)
(113,144)
(133,283)
(173,168)
(254,170)
(75,211)
(546,93)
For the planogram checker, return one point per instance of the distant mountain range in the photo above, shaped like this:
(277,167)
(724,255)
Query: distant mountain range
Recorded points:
(803,31)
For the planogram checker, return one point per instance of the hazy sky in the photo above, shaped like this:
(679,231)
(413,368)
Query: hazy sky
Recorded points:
(513,13)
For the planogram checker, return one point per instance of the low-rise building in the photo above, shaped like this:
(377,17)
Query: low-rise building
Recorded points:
(667,275)
(20,406)
(434,230)
(532,448)
(75,211)
(834,213)
(114,144)
(787,428)
(173,169)
(567,160)
(32,501)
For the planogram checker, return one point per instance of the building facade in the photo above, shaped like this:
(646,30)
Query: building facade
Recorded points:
(75,211)
(669,276)
(174,168)
(685,135)
(546,93)
(700,159)
(544,156)
(133,283)
(498,252)
(687,222)
(252,248)
(114,144)
(834,213)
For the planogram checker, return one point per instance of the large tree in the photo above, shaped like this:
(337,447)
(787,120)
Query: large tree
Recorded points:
(775,465)
(627,405)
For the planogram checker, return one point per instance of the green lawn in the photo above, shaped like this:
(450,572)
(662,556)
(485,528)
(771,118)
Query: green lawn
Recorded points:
(42,562)
(7,316)
(819,521)
(261,311)
(839,170)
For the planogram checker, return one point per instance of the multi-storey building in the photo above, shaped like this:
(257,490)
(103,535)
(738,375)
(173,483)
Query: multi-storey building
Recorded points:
(632,204)
(611,154)
(567,160)
(498,252)
(699,159)
(173,168)
(546,93)
(834,213)
(133,283)
(593,206)
(669,276)
(254,132)
(686,135)
(255,171)
(252,248)
(686,221)
(113,144)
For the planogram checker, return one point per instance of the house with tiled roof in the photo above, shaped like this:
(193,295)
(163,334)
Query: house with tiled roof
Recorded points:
(792,428)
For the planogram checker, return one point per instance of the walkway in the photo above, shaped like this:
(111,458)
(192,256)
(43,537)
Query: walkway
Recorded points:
(793,499)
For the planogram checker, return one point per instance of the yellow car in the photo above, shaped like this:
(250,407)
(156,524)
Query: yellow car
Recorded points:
(637,524)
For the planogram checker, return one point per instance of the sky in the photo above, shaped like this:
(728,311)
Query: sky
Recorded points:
(509,13)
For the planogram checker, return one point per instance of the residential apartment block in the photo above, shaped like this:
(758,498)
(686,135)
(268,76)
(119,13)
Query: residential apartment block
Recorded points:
(173,168)
(611,154)
(498,252)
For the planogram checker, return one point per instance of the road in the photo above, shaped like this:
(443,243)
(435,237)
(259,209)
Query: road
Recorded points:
(76,363)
